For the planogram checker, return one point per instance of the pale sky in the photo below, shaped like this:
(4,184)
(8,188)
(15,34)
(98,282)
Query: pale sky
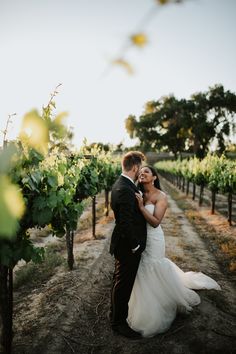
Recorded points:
(46,42)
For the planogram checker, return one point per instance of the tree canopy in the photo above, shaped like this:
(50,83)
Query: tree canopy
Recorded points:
(186,125)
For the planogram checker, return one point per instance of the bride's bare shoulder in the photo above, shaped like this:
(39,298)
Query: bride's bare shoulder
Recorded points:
(160,196)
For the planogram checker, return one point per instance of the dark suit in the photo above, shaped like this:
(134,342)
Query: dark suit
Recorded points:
(129,232)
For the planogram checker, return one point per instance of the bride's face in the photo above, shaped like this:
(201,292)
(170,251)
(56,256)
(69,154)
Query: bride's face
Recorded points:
(146,176)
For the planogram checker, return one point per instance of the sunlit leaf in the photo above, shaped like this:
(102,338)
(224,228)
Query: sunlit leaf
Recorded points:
(34,131)
(124,64)
(60,179)
(11,207)
(139,39)
(60,117)
(53,104)
(13,200)
(150,107)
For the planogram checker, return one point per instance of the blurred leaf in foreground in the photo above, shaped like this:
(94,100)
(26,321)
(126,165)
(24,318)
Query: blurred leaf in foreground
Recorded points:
(34,132)
(124,64)
(6,157)
(11,207)
(139,39)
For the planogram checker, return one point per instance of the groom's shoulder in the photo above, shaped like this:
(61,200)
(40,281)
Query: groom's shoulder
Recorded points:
(122,183)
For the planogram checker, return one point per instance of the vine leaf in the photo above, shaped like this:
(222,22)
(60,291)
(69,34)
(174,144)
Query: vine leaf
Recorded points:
(34,131)
(11,207)
(124,64)
(139,39)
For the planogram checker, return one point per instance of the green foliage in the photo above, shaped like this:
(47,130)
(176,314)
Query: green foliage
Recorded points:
(42,183)
(218,173)
(180,125)
(11,198)
(32,273)
(53,188)
(12,251)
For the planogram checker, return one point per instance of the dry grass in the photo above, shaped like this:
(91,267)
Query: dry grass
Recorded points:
(39,232)
(31,273)
(171,225)
(86,221)
(229,248)
(82,257)
(214,229)
(176,259)
(232,266)
(55,253)
(99,236)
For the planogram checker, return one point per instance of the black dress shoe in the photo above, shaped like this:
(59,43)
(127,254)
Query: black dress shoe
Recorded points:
(126,331)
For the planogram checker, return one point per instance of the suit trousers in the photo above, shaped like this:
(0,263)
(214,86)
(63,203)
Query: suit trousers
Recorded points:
(126,266)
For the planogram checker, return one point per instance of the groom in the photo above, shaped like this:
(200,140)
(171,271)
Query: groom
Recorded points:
(127,242)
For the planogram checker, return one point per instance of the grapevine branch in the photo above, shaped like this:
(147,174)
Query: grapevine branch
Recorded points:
(5,131)
(139,30)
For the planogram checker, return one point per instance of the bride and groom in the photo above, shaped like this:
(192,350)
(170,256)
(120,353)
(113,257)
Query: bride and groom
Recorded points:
(147,289)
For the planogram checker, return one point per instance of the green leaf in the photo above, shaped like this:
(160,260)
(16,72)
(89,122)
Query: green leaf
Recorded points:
(52,181)
(11,207)
(43,217)
(5,254)
(52,200)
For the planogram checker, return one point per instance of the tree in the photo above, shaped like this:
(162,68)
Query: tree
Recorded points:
(222,109)
(163,126)
(169,124)
(201,129)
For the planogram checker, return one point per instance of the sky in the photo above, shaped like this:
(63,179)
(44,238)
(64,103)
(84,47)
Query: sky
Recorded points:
(191,46)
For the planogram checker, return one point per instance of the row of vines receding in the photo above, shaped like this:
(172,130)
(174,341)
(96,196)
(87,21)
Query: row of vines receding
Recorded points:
(218,174)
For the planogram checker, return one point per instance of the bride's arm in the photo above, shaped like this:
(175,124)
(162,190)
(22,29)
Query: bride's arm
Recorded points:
(159,211)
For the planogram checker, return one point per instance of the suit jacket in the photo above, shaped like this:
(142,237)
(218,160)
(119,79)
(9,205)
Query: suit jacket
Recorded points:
(130,229)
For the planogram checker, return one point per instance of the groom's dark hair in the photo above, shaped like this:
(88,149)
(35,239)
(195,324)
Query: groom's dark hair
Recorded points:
(131,159)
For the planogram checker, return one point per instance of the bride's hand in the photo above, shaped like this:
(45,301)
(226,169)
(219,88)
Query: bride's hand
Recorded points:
(140,200)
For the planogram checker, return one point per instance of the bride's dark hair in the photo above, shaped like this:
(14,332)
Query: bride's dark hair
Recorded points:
(156,182)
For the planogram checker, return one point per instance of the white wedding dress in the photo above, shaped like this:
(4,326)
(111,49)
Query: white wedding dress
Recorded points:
(161,289)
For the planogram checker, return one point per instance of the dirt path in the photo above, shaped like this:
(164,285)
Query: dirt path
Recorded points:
(68,314)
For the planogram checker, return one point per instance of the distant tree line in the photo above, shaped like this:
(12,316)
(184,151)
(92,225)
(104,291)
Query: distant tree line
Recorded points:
(186,125)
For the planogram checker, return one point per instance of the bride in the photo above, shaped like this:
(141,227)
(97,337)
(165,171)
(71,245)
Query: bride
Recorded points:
(161,288)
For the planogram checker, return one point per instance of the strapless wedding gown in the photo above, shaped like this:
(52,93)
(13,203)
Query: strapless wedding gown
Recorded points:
(161,288)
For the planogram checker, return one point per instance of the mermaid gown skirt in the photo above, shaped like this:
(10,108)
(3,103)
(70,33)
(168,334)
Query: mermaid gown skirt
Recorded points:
(161,288)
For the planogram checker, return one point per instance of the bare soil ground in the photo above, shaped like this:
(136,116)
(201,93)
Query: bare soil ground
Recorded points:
(68,313)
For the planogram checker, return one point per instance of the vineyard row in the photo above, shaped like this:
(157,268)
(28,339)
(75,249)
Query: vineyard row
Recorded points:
(217,174)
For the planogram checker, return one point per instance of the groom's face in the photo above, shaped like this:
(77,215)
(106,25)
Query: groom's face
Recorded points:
(137,171)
